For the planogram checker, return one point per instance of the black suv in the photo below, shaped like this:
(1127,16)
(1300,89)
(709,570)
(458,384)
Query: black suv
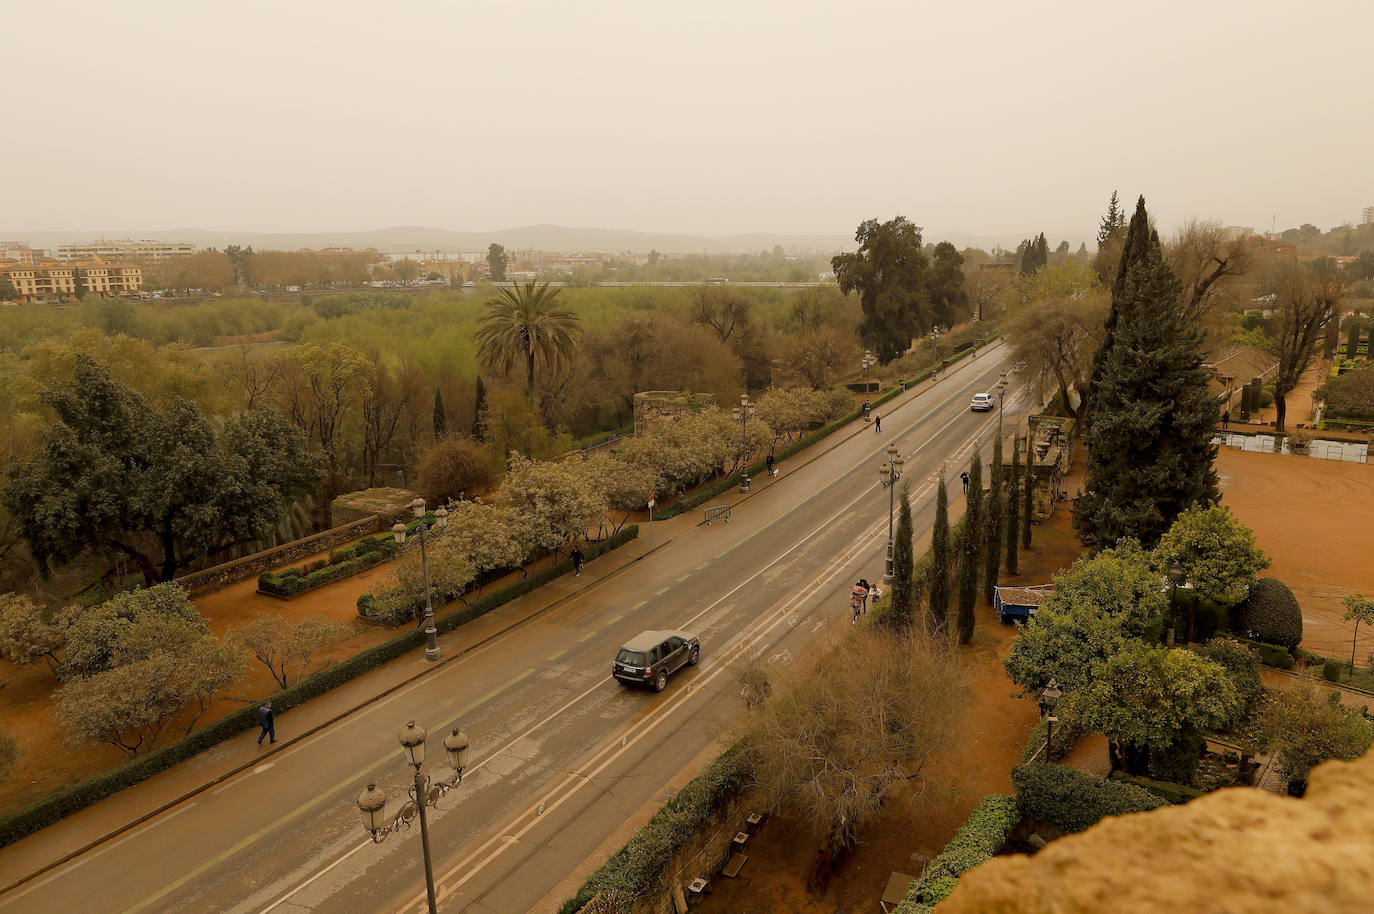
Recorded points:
(650,657)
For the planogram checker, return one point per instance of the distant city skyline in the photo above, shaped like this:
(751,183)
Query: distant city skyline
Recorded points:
(713,119)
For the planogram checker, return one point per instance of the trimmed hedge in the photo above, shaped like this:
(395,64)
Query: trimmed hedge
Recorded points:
(1072,800)
(362,555)
(638,868)
(1165,790)
(84,793)
(1270,613)
(978,839)
(1269,654)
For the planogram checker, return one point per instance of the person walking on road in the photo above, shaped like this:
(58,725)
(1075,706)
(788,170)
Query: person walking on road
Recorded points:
(268,721)
(577,559)
(867,589)
(1225,419)
(964,478)
(877,423)
(772,469)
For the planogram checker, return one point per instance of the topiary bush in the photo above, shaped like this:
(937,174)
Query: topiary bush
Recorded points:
(1072,800)
(1270,613)
(981,836)
(1331,671)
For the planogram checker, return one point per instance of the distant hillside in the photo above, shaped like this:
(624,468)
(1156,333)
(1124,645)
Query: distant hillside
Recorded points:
(528,237)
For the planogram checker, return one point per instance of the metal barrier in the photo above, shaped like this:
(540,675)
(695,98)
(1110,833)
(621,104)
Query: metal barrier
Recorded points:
(717,512)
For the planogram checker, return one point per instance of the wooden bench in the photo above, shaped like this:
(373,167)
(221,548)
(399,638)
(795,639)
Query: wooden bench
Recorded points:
(734,865)
(717,512)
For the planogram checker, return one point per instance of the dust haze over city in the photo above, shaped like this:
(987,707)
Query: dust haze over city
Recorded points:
(978,121)
(719,457)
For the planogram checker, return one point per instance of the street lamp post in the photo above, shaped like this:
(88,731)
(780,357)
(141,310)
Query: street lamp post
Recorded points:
(934,355)
(425,792)
(742,414)
(398,530)
(1001,392)
(889,473)
(1048,699)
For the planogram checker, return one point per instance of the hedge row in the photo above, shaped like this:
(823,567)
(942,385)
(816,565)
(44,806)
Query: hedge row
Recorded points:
(1068,730)
(1270,654)
(367,552)
(640,866)
(1165,790)
(981,836)
(1072,800)
(78,796)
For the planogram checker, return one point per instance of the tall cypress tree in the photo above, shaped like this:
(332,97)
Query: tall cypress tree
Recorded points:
(1352,338)
(903,608)
(1028,494)
(440,416)
(938,619)
(1149,420)
(479,412)
(971,556)
(1014,505)
(992,527)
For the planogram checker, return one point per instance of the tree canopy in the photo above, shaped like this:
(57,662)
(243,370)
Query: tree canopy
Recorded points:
(891,275)
(161,486)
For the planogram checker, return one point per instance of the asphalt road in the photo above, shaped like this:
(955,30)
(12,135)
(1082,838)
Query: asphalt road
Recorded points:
(562,756)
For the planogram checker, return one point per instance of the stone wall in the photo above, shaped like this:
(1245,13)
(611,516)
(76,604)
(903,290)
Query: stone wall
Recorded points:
(653,407)
(250,566)
(387,503)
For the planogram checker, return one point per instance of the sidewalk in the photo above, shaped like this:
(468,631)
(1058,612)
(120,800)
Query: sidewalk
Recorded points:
(110,818)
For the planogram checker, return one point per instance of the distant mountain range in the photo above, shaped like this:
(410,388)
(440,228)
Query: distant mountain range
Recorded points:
(530,237)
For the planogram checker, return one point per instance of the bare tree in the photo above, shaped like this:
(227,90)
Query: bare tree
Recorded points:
(836,737)
(287,647)
(382,408)
(984,288)
(1307,296)
(251,376)
(1056,338)
(721,310)
(1203,258)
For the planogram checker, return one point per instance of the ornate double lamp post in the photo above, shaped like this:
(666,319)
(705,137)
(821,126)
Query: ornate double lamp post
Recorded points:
(934,353)
(1048,699)
(398,530)
(889,473)
(1001,392)
(742,414)
(425,792)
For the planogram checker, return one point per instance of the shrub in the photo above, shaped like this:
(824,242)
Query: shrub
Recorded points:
(1270,613)
(979,838)
(1269,654)
(1331,671)
(1165,790)
(1242,665)
(455,468)
(1072,800)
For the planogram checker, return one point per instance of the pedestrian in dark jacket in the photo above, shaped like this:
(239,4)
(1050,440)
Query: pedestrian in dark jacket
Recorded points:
(964,476)
(268,721)
(877,423)
(577,559)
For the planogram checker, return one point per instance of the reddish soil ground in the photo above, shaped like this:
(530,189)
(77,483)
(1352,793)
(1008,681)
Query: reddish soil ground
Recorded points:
(910,829)
(1311,517)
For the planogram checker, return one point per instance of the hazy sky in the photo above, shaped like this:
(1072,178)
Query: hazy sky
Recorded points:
(709,116)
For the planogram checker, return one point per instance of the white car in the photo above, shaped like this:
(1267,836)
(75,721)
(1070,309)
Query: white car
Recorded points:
(982,403)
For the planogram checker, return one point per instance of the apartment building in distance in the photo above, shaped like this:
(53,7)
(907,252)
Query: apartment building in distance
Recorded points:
(17,252)
(54,280)
(1367,216)
(125,250)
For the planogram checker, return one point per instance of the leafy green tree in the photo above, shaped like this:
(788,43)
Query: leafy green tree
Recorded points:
(992,526)
(440,416)
(1149,414)
(528,324)
(241,258)
(940,562)
(496,262)
(1014,505)
(1358,608)
(1216,553)
(114,474)
(129,627)
(1352,337)
(1147,699)
(1362,267)
(948,298)
(8,292)
(1304,730)
(479,411)
(971,557)
(562,500)
(1120,582)
(890,274)
(902,611)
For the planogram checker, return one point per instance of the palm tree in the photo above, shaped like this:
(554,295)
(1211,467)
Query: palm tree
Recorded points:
(527,322)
